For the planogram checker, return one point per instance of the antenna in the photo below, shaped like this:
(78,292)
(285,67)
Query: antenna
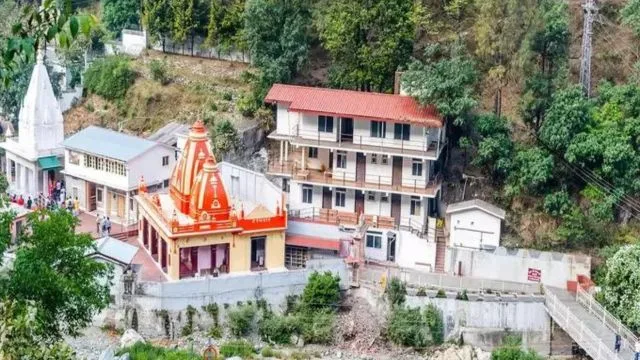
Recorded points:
(590,10)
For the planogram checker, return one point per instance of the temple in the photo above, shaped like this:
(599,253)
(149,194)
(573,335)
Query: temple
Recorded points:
(216,218)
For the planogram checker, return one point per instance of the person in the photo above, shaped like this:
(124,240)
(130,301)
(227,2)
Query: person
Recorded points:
(108,226)
(637,350)
(617,344)
(20,200)
(76,206)
(104,227)
(98,223)
(29,202)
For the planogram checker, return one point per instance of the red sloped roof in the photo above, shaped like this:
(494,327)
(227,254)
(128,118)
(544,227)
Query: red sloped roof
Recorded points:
(312,242)
(357,104)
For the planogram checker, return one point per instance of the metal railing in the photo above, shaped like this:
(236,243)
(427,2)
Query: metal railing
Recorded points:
(588,302)
(577,329)
(447,282)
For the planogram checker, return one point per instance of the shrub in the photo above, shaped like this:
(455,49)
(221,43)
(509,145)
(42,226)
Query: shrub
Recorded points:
(421,292)
(215,332)
(434,320)
(291,304)
(247,105)
(227,95)
(188,327)
(277,329)
(462,295)
(396,292)
(240,320)
(317,327)
(145,351)
(213,311)
(441,294)
(322,292)
(109,77)
(557,204)
(411,327)
(241,348)
(224,138)
(159,71)
(269,352)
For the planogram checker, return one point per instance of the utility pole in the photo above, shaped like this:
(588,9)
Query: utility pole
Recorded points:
(590,11)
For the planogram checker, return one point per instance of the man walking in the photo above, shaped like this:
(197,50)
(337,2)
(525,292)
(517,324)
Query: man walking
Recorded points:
(98,223)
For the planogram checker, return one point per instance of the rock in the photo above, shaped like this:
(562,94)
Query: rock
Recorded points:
(297,340)
(124,357)
(339,354)
(129,338)
(234,358)
(108,354)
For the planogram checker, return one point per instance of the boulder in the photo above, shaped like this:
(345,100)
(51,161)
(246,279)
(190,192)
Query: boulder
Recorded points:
(234,358)
(129,338)
(124,357)
(108,354)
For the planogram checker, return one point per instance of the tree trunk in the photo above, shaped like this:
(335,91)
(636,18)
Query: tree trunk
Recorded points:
(497,106)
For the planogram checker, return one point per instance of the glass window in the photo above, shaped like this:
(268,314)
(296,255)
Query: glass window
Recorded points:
(378,129)
(165,160)
(371,196)
(341,196)
(416,204)
(374,158)
(384,197)
(313,153)
(416,167)
(374,239)
(307,194)
(385,160)
(401,131)
(341,160)
(325,123)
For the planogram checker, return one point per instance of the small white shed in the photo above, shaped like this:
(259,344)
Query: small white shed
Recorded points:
(474,224)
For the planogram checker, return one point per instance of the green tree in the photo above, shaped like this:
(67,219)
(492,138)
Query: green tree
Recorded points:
(213,26)
(532,170)
(396,292)
(495,147)
(367,40)
(548,48)
(277,35)
(183,20)
(157,18)
(121,14)
(321,293)
(621,286)
(224,138)
(110,77)
(232,34)
(512,350)
(568,115)
(446,79)
(631,15)
(52,271)
(557,204)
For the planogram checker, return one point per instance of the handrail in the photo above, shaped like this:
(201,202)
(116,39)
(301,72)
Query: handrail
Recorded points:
(577,329)
(612,322)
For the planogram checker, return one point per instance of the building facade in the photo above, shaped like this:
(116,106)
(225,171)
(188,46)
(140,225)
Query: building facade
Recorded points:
(346,155)
(474,224)
(216,219)
(103,169)
(34,157)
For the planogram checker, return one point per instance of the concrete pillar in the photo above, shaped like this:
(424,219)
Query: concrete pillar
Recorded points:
(286,151)
(127,210)
(304,163)
(23,179)
(45,183)
(173,268)
(105,201)
(281,151)
(159,242)
(8,167)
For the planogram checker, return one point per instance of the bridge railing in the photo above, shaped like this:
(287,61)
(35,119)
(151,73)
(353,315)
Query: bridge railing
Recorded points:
(577,329)
(588,302)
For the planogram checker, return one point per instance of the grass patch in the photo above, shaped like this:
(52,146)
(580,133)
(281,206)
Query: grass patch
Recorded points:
(241,348)
(144,351)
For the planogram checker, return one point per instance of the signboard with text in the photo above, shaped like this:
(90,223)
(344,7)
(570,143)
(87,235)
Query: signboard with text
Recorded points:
(534,275)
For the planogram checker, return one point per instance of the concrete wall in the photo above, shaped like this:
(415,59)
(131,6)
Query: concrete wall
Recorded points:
(484,324)
(150,166)
(245,185)
(200,50)
(133,42)
(474,228)
(415,252)
(513,265)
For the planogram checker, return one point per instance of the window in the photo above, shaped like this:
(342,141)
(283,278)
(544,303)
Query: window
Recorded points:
(384,197)
(307,194)
(401,131)
(165,183)
(371,196)
(415,205)
(416,167)
(378,129)
(99,195)
(341,160)
(374,158)
(313,153)
(165,160)
(341,196)
(325,123)
(374,239)
(385,159)
(74,158)
(131,204)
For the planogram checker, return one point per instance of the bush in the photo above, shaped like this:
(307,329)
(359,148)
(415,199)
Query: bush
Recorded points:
(241,348)
(277,329)
(441,294)
(396,292)
(247,105)
(109,77)
(512,349)
(462,295)
(411,327)
(188,326)
(321,293)
(224,138)
(215,332)
(291,304)
(557,204)
(316,328)
(421,292)
(159,71)
(146,351)
(240,320)
(269,352)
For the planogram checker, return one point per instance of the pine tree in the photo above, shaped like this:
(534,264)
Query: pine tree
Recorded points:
(158,19)
(183,20)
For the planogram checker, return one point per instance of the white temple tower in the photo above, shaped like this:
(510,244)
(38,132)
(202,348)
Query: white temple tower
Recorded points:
(34,157)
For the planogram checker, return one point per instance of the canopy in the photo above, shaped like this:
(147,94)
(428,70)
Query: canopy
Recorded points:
(49,162)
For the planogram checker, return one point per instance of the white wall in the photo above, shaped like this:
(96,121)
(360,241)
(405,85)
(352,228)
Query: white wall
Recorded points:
(133,42)
(150,166)
(415,252)
(502,264)
(362,133)
(474,220)
(349,202)
(102,177)
(405,211)
(350,172)
(72,183)
(309,129)
(377,207)
(246,185)
(407,174)
(379,172)
(286,121)
(323,159)
(374,253)
(295,197)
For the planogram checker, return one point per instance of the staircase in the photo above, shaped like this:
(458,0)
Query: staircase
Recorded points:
(441,249)
(588,324)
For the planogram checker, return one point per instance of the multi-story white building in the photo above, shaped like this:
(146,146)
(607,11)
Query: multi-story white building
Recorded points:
(345,154)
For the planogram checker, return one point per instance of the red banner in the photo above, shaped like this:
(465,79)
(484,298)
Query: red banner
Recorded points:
(534,275)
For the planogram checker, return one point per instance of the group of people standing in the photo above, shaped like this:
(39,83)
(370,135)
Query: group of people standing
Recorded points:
(103,225)
(618,344)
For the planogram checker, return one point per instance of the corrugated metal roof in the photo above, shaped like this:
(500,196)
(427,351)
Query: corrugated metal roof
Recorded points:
(108,143)
(312,242)
(356,104)
(476,203)
(116,249)
(168,133)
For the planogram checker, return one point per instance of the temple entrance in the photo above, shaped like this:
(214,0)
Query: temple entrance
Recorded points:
(258,252)
(204,260)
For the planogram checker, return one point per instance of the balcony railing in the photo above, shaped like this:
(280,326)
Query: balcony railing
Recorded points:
(422,147)
(377,182)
